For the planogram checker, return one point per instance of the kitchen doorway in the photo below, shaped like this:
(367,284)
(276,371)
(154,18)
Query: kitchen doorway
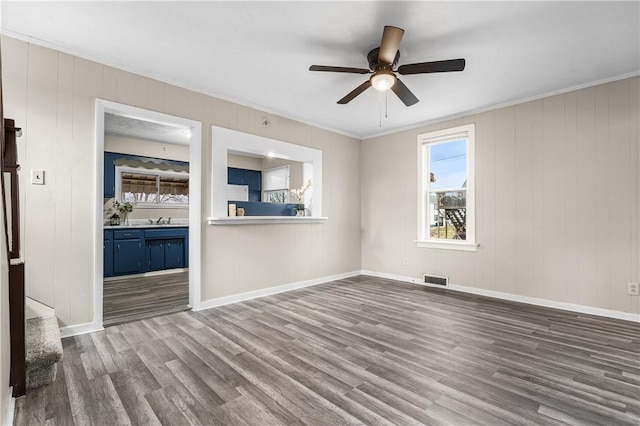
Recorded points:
(148,208)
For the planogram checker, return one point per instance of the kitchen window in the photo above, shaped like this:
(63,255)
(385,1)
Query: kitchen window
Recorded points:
(275,185)
(152,188)
(446,199)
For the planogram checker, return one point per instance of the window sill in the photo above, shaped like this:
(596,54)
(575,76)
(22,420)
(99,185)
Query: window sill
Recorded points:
(448,245)
(160,206)
(263,220)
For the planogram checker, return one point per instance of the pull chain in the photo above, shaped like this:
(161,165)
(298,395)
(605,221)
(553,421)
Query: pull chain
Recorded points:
(384,94)
(380,110)
(386,97)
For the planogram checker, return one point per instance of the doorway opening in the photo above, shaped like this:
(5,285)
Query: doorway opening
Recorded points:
(148,208)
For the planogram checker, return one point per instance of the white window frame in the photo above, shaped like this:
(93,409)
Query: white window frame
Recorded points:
(265,196)
(157,205)
(424,140)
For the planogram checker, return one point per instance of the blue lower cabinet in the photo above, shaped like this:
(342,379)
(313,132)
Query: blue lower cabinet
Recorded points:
(155,255)
(167,248)
(108,253)
(165,254)
(128,257)
(133,251)
(174,253)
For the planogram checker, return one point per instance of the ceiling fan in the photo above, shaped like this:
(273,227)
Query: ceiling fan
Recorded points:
(383,60)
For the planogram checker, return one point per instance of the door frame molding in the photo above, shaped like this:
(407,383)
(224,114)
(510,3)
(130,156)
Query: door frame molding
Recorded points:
(195,201)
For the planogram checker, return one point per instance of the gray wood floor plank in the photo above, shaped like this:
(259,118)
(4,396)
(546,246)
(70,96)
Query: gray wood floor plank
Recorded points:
(132,298)
(131,393)
(362,350)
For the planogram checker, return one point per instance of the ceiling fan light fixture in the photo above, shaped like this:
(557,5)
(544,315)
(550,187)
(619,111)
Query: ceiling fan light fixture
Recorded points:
(383,81)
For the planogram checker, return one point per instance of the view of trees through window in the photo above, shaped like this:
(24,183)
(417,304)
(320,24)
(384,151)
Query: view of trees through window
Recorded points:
(154,188)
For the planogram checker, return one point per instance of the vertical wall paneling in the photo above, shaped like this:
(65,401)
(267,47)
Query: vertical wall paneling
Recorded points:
(553,180)
(634,167)
(505,200)
(88,78)
(486,147)
(619,194)
(588,208)
(63,181)
(603,197)
(42,80)
(524,189)
(557,201)
(571,198)
(125,88)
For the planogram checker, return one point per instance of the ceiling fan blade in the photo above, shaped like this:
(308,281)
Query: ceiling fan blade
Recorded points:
(390,43)
(434,66)
(404,93)
(355,92)
(338,69)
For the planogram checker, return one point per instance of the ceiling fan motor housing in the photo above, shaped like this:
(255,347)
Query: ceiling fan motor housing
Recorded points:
(372,57)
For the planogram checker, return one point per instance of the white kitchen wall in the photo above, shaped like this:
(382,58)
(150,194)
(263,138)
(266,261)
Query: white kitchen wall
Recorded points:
(244,162)
(51,95)
(146,148)
(557,192)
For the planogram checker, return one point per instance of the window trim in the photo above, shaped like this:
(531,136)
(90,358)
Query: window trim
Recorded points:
(424,139)
(158,204)
(286,189)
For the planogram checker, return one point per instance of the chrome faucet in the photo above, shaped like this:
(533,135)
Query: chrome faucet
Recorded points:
(169,221)
(159,221)
(150,221)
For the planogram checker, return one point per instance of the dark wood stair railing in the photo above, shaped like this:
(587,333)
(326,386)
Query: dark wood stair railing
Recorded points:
(10,169)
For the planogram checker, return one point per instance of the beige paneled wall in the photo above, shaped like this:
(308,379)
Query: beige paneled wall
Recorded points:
(52,96)
(557,200)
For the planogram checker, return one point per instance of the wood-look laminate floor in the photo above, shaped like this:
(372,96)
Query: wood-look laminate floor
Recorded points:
(129,299)
(362,350)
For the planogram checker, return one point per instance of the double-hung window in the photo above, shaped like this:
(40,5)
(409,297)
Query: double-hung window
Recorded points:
(152,188)
(446,200)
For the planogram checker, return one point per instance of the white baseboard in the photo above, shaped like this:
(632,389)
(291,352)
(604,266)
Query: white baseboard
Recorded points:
(11,406)
(75,330)
(235,298)
(516,298)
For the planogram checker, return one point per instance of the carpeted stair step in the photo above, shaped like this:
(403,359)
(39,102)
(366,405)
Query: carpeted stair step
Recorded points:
(43,350)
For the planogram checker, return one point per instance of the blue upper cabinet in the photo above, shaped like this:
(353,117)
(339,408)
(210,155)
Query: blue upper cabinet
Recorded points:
(236,176)
(252,178)
(109,175)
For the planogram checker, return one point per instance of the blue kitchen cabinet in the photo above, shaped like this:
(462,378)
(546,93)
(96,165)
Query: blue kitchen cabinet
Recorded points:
(155,255)
(133,251)
(166,248)
(108,253)
(174,253)
(128,251)
(254,180)
(251,178)
(236,176)
(109,175)
(127,257)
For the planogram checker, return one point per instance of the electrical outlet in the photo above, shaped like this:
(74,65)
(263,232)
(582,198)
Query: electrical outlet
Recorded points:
(633,289)
(37,177)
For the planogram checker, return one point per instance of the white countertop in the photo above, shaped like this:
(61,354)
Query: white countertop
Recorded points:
(144,223)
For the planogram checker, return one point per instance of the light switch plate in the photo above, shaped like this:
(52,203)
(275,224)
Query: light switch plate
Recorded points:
(37,177)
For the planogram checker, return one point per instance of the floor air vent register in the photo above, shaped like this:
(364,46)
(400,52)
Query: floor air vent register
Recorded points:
(436,280)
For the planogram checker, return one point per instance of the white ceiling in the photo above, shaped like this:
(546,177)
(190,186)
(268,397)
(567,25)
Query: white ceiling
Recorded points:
(258,53)
(119,125)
